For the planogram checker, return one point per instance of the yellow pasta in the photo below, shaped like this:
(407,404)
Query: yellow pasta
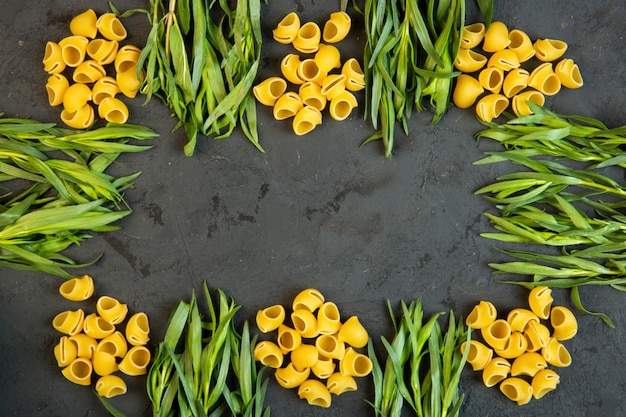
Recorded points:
(355,78)
(520,105)
(307,39)
(353,333)
(289,68)
(79,371)
(104,363)
(495,371)
(328,318)
(97,327)
(136,361)
(308,299)
(77,289)
(268,90)
(287,29)
(479,354)
(333,85)
(517,389)
(73,50)
(482,315)
(86,345)
(491,106)
(514,347)
(103,88)
(496,37)
(466,91)
(110,386)
(556,354)
(111,309)
(338,384)
(514,82)
(304,356)
(127,58)
(521,45)
(315,393)
(113,110)
(304,322)
(330,346)
(468,60)
(528,364)
(80,119)
(288,339)
(568,73)
(491,79)
(549,50)
(289,377)
(88,72)
(102,51)
(128,82)
(69,322)
(53,62)
(311,95)
(65,351)
(544,80)
(505,59)
(84,24)
(545,381)
(269,354)
(342,105)
(324,367)
(309,71)
(540,301)
(337,27)
(496,334)
(287,105)
(111,27)
(355,364)
(114,344)
(76,96)
(306,120)
(138,329)
(537,335)
(563,322)
(327,57)
(518,318)
(270,318)
(472,35)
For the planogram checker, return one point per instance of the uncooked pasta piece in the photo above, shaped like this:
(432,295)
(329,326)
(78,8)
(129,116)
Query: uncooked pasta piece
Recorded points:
(111,27)
(337,27)
(114,344)
(304,357)
(304,322)
(103,88)
(270,318)
(491,106)
(540,301)
(288,339)
(328,318)
(342,105)
(556,354)
(88,72)
(127,58)
(505,59)
(324,367)
(329,345)
(102,51)
(311,95)
(333,85)
(495,371)
(482,315)
(521,45)
(472,35)
(309,71)
(136,361)
(86,345)
(128,82)
(549,50)
(287,29)
(496,37)
(289,68)
(563,323)
(353,333)
(529,363)
(308,299)
(468,60)
(73,50)
(138,329)
(568,73)
(289,377)
(76,96)
(104,363)
(544,80)
(518,318)
(269,354)
(77,289)
(307,39)
(537,336)
(110,386)
(79,371)
(113,110)
(496,334)
(545,381)
(111,310)
(491,78)
(268,90)
(65,351)
(514,347)
(479,354)
(97,327)
(315,393)
(519,105)
(287,105)
(53,62)
(338,384)
(517,389)
(355,364)
(515,81)
(69,322)
(79,119)
(466,91)
(327,57)
(84,24)
(355,78)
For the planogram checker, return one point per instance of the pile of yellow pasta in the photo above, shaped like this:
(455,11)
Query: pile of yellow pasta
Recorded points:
(91,344)
(322,78)
(496,79)
(517,350)
(78,70)
(314,347)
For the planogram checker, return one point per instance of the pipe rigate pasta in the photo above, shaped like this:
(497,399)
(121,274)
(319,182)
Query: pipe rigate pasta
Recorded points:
(556,354)
(287,105)
(304,356)
(491,78)
(80,119)
(466,91)
(514,82)
(102,51)
(103,88)
(327,57)
(268,90)
(79,371)
(353,333)
(114,344)
(330,346)
(289,377)
(126,58)
(269,354)
(342,105)
(128,82)
(496,334)
(338,383)
(505,59)
(309,71)
(136,361)
(544,80)
(97,327)
(521,45)
(270,318)
(333,85)
(324,367)
(355,78)
(337,27)
(113,110)
(308,299)
(53,62)
(77,289)
(311,95)
(495,371)
(289,68)
(307,39)
(69,322)
(528,363)
(537,335)
(84,24)
(479,354)
(111,310)
(315,393)
(86,345)
(73,50)
(491,106)
(496,37)
(482,315)
(517,389)
(545,381)
(355,364)
(328,318)
(287,29)
(110,386)
(520,105)
(468,60)
(288,339)
(563,323)
(540,301)
(104,363)
(76,96)
(518,318)
(138,329)
(472,35)
(111,27)
(304,322)
(65,352)
(568,73)
(88,72)
(549,50)
(514,347)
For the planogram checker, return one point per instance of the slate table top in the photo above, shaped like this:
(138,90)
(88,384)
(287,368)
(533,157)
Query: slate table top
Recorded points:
(314,211)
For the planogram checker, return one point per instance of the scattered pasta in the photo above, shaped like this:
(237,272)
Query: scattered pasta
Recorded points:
(84,24)
(136,361)
(77,289)
(315,393)
(111,309)
(563,322)
(517,389)
(287,29)
(110,386)
(545,381)
(337,27)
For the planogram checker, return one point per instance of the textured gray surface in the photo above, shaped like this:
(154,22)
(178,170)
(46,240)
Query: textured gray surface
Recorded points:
(316,211)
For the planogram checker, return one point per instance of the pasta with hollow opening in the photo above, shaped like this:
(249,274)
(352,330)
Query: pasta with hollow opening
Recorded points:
(269,354)
(491,106)
(311,95)
(287,105)
(342,105)
(104,87)
(520,105)
(556,354)
(270,318)
(496,334)
(113,110)
(324,367)
(289,377)
(77,289)
(328,318)
(104,363)
(138,329)
(288,339)
(102,51)
(114,344)
(549,50)
(307,39)
(505,59)
(496,37)
(521,44)
(69,322)
(287,29)
(528,363)
(468,60)
(308,299)
(73,50)
(307,118)
(110,26)
(79,371)
(330,346)
(53,62)
(88,72)
(304,356)
(315,393)
(84,24)
(466,91)
(495,371)
(545,381)
(333,85)
(479,354)
(85,345)
(136,361)
(82,118)
(97,327)
(355,78)
(517,389)
(568,73)
(563,323)
(309,71)
(338,383)
(304,322)
(337,27)
(482,315)
(289,68)
(111,310)
(353,333)
(540,301)
(65,351)
(491,78)
(544,80)
(472,35)
(518,318)
(268,90)
(514,346)
(110,386)
(537,335)
(514,82)
(355,364)
(126,58)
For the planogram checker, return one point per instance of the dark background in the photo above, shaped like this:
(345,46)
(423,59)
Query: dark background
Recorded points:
(313,211)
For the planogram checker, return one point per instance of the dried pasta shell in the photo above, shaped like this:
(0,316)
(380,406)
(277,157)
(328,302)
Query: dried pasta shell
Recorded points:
(479,354)
(355,78)
(269,354)
(491,78)
(515,81)
(514,347)
(333,85)
(505,59)
(528,364)
(113,110)
(102,51)
(309,71)
(65,351)
(268,90)
(342,105)
(304,322)
(97,327)
(287,29)
(88,72)
(315,393)
(84,24)
(337,27)
(496,37)
(517,389)
(288,339)
(270,318)
(466,91)
(308,299)
(355,364)
(545,381)
(496,334)
(472,35)
(495,371)
(549,50)
(491,106)
(519,105)
(104,363)
(110,386)
(537,335)
(563,323)
(136,361)
(328,318)
(556,354)
(518,318)
(53,62)
(569,73)
(289,68)
(138,329)
(521,45)
(338,384)
(289,377)
(128,82)
(86,345)
(114,344)
(80,119)
(73,50)
(77,289)
(353,333)
(482,315)
(79,371)
(103,88)
(306,120)
(324,367)
(127,58)
(544,80)
(540,301)
(111,310)
(307,39)
(330,346)
(468,60)
(287,105)
(111,27)
(304,357)
(69,322)
(327,57)
(311,95)
(76,96)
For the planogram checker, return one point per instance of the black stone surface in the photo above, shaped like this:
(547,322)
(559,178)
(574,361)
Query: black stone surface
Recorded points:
(313,211)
